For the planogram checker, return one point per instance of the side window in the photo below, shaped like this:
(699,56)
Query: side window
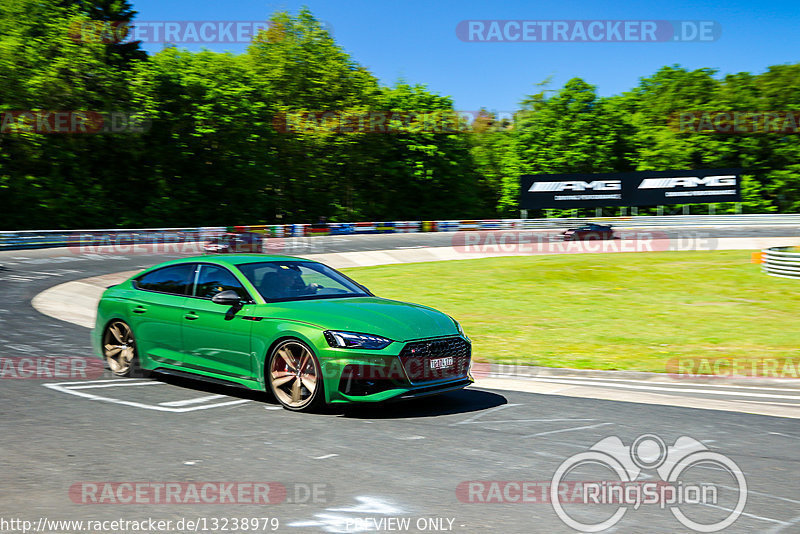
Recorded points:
(175,280)
(214,279)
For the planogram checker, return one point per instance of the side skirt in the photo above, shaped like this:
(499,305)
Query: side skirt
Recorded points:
(212,379)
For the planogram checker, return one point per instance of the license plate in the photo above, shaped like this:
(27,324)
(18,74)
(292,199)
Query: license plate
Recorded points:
(441,363)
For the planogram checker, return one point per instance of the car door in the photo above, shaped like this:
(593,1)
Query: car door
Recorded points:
(216,338)
(156,311)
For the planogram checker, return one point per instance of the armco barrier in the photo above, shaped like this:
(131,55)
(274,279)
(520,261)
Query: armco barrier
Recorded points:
(63,238)
(781,261)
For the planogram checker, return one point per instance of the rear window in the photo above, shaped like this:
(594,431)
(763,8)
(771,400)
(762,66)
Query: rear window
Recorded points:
(175,280)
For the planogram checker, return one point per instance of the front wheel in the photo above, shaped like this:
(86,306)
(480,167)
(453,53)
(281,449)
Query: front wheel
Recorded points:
(294,376)
(119,349)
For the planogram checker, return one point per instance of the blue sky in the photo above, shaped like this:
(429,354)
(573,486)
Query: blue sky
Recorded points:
(416,41)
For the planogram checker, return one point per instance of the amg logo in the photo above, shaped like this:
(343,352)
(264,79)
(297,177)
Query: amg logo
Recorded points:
(688,181)
(578,185)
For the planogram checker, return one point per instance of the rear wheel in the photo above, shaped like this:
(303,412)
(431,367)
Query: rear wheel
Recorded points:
(294,376)
(119,349)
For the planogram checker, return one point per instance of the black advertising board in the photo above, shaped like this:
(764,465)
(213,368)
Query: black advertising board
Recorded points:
(640,188)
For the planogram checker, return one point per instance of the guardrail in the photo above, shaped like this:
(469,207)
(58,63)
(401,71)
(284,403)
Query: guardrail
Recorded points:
(30,239)
(781,261)
(65,238)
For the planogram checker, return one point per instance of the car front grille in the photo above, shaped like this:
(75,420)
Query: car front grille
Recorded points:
(436,359)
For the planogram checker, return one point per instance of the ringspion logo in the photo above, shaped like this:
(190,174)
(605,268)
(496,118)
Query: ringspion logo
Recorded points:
(629,488)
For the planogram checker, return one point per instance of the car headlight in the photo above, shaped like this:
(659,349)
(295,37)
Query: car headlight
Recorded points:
(458,327)
(354,340)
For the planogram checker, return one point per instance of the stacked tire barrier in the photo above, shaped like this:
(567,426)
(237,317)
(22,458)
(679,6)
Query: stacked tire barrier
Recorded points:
(64,238)
(781,261)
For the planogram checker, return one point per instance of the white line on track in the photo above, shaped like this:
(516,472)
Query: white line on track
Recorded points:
(586,427)
(100,381)
(187,402)
(677,385)
(656,388)
(784,435)
(780,528)
(525,421)
(482,414)
(97,386)
(768,519)
(73,389)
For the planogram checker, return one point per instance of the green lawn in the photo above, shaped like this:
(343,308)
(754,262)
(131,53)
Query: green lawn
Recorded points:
(606,311)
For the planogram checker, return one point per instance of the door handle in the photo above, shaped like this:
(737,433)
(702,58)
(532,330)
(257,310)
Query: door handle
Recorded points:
(191,316)
(139,309)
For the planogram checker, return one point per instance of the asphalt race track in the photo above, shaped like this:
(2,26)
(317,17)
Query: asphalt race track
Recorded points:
(365,469)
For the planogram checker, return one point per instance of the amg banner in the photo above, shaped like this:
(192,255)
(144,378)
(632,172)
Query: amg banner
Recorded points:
(640,188)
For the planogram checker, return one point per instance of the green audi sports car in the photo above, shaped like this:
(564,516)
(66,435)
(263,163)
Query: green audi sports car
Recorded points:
(298,328)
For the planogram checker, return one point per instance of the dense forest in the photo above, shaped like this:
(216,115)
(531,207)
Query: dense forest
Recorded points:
(219,138)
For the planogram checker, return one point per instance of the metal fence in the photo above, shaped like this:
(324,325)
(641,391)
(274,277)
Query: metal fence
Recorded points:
(67,238)
(781,261)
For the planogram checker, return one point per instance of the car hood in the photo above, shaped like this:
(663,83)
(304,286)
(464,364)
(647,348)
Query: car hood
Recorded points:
(399,321)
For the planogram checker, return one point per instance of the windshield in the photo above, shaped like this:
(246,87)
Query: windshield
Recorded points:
(299,280)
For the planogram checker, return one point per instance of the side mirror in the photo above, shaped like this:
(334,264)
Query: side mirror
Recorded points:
(227,298)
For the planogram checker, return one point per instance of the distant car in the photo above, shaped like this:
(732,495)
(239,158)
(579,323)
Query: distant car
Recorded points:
(298,328)
(230,243)
(589,231)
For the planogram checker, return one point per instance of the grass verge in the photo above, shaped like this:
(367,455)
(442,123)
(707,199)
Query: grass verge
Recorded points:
(606,311)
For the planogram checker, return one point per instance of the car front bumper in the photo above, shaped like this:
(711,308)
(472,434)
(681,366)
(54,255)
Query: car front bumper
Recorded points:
(399,372)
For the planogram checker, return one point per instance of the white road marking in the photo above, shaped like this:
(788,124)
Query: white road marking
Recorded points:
(751,491)
(187,402)
(481,414)
(92,386)
(784,435)
(24,348)
(329,522)
(780,528)
(675,389)
(677,385)
(100,381)
(769,519)
(73,388)
(526,421)
(567,430)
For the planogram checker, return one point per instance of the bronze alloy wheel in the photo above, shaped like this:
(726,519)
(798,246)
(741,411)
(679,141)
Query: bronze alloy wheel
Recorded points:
(294,376)
(119,348)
